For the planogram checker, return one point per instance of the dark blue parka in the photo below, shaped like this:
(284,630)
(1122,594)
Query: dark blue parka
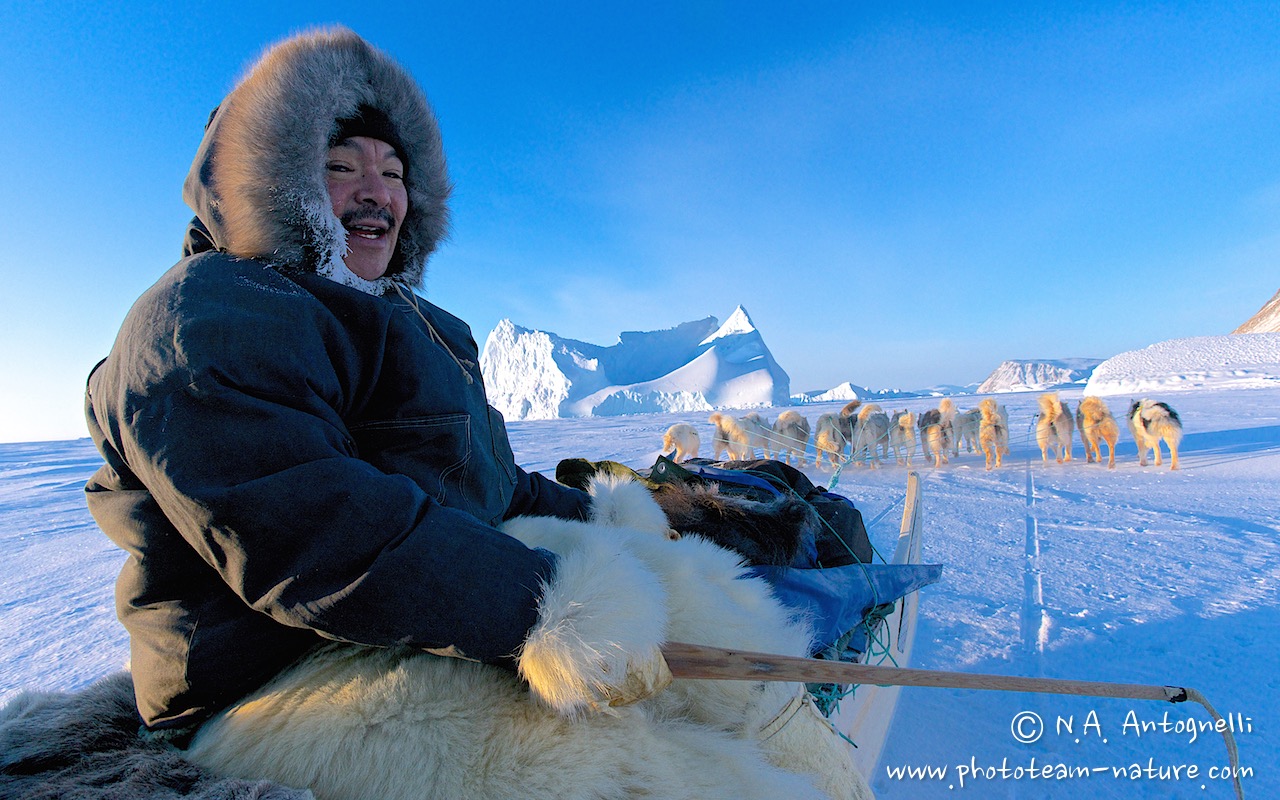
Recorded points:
(291,459)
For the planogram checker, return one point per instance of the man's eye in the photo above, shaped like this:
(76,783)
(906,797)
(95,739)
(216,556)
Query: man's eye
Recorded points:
(393,174)
(333,166)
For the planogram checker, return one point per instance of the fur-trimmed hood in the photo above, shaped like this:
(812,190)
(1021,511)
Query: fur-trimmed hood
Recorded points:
(258,182)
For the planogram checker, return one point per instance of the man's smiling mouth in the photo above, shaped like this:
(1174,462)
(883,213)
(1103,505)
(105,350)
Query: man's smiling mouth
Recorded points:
(367,223)
(367,231)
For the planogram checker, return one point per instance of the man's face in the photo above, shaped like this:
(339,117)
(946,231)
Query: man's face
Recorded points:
(366,188)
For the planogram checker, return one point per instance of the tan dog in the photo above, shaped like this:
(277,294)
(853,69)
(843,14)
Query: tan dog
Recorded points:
(902,435)
(683,439)
(1054,428)
(790,436)
(936,431)
(1096,425)
(729,437)
(871,435)
(993,431)
(1150,423)
(830,437)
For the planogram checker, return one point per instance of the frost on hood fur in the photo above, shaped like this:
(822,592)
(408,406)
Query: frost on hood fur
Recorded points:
(258,179)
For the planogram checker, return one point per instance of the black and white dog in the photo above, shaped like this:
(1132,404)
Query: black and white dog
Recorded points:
(1151,422)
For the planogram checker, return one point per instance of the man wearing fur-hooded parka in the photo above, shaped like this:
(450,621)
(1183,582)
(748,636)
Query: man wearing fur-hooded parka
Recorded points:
(298,448)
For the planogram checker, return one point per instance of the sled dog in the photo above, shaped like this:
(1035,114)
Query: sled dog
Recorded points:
(729,437)
(683,439)
(1054,427)
(871,435)
(1151,422)
(902,435)
(341,719)
(1096,425)
(966,426)
(937,429)
(993,431)
(790,436)
(831,435)
(759,433)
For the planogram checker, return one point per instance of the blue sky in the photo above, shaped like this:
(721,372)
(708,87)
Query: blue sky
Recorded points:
(901,196)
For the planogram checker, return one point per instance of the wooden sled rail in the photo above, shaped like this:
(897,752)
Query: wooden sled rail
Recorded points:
(714,663)
(700,662)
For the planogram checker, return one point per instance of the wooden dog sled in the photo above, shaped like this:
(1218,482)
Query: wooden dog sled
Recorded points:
(864,713)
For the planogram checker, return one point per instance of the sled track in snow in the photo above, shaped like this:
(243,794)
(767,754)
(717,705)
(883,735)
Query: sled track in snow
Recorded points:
(1035,618)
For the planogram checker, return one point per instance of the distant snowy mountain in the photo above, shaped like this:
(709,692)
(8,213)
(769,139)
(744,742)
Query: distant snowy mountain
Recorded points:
(1236,361)
(851,391)
(1267,320)
(696,366)
(1032,375)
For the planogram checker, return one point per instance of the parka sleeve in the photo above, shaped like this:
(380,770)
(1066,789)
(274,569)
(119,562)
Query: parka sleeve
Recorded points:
(237,433)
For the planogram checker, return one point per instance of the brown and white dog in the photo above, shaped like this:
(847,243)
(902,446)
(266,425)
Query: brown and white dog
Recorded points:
(1096,425)
(1151,422)
(937,431)
(683,439)
(790,436)
(729,437)
(902,435)
(1054,428)
(830,437)
(993,431)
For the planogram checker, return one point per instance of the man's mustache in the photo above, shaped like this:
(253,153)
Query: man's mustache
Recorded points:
(366,214)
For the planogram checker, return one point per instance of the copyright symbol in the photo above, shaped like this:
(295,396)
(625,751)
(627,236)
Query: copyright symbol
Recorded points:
(1027,727)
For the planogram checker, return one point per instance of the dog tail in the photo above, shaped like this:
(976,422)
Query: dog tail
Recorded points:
(1050,407)
(1161,420)
(988,409)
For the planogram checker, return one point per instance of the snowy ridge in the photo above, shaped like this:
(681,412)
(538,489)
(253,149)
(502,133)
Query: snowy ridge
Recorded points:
(1034,376)
(1235,361)
(696,366)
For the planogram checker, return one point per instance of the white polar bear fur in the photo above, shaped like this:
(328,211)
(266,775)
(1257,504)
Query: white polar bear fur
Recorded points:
(352,722)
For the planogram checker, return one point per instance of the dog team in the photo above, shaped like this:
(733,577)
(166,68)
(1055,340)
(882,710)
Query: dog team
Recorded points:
(864,433)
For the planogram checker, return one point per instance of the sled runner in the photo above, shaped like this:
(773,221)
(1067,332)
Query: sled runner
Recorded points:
(866,716)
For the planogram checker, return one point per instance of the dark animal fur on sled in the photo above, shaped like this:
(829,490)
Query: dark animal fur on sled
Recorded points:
(85,746)
(764,533)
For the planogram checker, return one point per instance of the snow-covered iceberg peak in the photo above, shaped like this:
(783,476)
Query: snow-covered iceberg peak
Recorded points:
(738,322)
(695,366)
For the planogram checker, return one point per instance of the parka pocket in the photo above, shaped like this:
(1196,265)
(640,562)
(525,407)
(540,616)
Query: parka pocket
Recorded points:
(433,451)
